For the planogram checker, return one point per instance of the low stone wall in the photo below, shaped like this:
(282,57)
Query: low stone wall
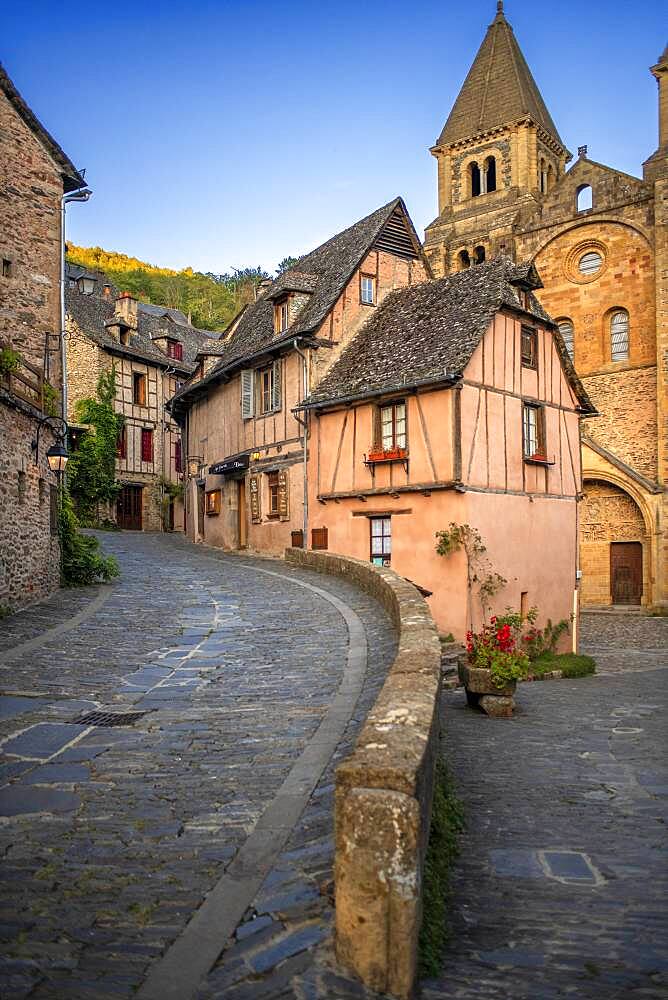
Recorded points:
(384,790)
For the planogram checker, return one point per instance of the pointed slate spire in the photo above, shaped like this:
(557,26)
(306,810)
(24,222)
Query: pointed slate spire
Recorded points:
(498,90)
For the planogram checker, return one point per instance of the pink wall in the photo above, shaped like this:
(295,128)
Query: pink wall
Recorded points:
(526,513)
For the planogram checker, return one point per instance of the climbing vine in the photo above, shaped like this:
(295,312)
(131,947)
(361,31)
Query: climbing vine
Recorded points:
(82,562)
(480,574)
(92,467)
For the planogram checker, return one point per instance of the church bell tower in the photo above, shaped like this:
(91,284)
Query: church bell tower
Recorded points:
(498,154)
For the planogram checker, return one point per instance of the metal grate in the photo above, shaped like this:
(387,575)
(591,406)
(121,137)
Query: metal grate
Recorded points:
(107,719)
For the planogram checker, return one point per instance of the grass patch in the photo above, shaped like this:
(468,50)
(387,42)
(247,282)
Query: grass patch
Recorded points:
(447,820)
(570,664)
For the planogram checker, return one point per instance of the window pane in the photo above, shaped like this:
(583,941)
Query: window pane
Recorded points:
(619,335)
(590,263)
(376,527)
(566,331)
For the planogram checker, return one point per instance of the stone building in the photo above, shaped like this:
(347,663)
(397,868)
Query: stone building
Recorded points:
(455,403)
(598,238)
(153,350)
(246,446)
(35,174)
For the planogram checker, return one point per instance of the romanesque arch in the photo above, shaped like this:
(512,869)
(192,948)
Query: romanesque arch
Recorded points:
(615,543)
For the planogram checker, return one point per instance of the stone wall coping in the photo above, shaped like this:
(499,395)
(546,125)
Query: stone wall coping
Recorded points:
(384,789)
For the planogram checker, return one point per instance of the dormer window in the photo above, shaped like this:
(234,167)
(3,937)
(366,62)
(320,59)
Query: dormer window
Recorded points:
(124,335)
(174,349)
(529,347)
(282,315)
(367,290)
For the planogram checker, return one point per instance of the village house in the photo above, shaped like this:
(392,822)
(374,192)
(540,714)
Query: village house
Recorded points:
(153,350)
(457,403)
(598,238)
(246,448)
(35,177)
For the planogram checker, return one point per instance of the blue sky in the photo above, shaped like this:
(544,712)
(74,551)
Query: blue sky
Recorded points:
(233,134)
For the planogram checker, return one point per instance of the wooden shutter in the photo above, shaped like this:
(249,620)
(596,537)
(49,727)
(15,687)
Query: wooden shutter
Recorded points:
(283,495)
(254,490)
(276,385)
(319,538)
(247,393)
(146,445)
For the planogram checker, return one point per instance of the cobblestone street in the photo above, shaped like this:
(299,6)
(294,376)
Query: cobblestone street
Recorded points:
(561,887)
(112,837)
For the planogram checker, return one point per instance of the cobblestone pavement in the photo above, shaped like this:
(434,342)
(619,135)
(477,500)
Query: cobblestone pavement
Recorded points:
(620,642)
(112,837)
(561,886)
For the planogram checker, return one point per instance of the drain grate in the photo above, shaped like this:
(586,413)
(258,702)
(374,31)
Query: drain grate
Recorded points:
(108,719)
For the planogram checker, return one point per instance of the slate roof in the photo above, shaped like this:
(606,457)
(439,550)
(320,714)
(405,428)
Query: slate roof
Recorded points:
(327,269)
(427,333)
(72,179)
(94,313)
(499,89)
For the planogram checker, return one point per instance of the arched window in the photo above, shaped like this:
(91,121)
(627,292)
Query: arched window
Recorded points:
(566,331)
(464,260)
(490,174)
(549,183)
(585,198)
(619,335)
(478,255)
(542,176)
(474,174)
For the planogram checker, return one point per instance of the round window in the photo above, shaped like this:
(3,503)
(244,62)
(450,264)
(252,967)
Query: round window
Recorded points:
(590,263)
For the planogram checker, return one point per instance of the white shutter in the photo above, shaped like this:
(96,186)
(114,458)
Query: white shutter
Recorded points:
(276,386)
(247,393)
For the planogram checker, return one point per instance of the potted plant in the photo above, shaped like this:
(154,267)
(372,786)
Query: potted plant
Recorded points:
(495,661)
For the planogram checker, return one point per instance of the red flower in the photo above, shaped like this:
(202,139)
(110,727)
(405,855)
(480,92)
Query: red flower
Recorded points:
(469,647)
(493,619)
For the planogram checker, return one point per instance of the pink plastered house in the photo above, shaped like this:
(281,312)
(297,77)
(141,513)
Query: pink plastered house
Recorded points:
(455,403)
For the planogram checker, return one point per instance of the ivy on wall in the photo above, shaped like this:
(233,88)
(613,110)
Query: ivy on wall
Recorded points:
(92,467)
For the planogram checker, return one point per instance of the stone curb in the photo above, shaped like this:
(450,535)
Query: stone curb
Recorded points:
(384,790)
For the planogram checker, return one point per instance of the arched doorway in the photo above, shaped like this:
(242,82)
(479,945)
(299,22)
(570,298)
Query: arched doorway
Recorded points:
(613,541)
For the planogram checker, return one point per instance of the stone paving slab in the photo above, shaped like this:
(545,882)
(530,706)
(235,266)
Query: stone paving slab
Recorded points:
(622,642)
(239,669)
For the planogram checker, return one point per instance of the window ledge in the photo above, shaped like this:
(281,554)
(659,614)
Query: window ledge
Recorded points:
(538,460)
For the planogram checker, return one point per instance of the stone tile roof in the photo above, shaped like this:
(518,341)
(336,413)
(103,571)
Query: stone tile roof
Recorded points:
(94,313)
(427,333)
(72,179)
(327,270)
(499,89)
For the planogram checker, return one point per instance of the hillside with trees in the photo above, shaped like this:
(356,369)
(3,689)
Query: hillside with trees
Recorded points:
(211,300)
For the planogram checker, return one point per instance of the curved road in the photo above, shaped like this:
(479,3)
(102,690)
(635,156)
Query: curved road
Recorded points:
(113,838)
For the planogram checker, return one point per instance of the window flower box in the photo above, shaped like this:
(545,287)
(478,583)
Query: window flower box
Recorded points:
(389,455)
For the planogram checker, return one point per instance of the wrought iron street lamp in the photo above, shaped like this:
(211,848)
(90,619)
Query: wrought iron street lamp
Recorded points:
(57,455)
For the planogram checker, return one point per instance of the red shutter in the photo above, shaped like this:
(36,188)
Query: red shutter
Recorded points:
(178,352)
(146,445)
(178,462)
(122,444)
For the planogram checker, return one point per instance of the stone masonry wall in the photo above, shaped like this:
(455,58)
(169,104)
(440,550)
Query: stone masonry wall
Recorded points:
(29,550)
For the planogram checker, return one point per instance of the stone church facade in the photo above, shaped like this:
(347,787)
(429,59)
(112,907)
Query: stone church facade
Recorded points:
(598,238)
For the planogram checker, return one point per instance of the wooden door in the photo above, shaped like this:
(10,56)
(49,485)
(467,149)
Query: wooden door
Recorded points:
(241,501)
(129,508)
(626,572)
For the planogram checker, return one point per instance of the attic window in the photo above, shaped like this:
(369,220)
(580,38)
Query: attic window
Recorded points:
(282,315)
(124,336)
(367,290)
(529,347)
(174,350)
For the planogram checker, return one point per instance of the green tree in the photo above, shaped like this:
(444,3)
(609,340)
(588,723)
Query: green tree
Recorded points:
(286,264)
(92,468)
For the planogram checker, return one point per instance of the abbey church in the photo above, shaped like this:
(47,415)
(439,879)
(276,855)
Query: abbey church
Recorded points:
(598,238)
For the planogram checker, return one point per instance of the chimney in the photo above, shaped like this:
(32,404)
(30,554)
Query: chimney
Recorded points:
(126,309)
(106,291)
(264,287)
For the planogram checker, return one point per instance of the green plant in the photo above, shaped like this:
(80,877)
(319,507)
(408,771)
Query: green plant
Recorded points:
(9,360)
(479,570)
(538,641)
(570,664)
(5,612)
(50,400)
(498,647)
(91,471)
(447,822)
(168,492)
(82,563)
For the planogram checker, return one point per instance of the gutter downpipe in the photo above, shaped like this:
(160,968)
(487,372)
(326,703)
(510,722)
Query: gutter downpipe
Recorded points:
(304,424)
(81,194)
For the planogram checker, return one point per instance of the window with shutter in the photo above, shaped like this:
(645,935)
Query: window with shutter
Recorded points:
(178,459)
(276,386)
(529,347)
(272,482)
(146,445)
(247,393)
(139,389)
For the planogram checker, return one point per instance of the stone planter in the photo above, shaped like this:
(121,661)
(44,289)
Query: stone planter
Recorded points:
(481,692)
